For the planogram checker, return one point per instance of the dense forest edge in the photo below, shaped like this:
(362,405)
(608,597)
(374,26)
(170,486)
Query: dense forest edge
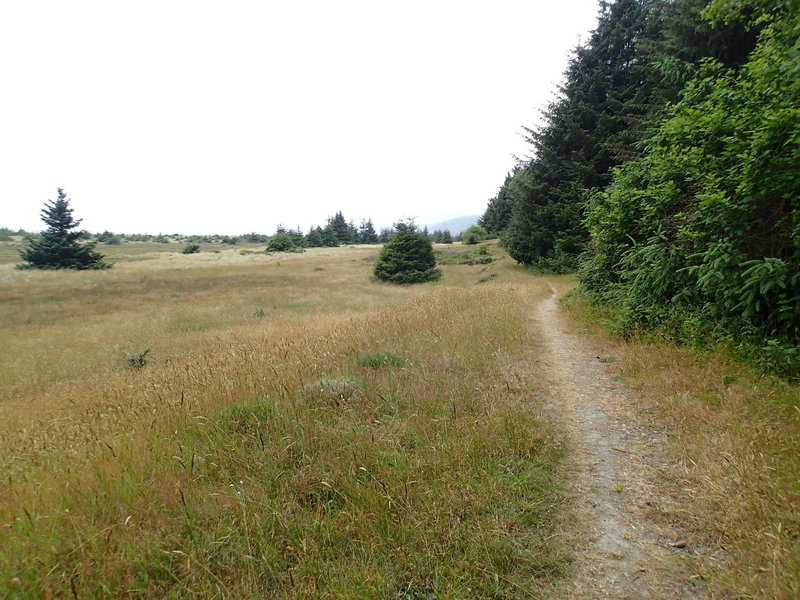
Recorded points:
(665,173)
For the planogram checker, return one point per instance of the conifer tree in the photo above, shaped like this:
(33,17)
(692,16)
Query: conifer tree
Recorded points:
(314,237)
(59,246)
(340,228)
(611,95)
(407,257)
(329,238)
(366,232)
(498,214)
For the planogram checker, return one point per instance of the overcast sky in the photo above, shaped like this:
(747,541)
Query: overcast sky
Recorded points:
(230,117)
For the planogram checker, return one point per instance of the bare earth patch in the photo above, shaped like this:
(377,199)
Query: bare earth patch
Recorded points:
(621,551)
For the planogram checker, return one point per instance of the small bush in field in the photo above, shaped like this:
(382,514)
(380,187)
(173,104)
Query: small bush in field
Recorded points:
(376,360)
(407,257)
(191,249)
(137,360)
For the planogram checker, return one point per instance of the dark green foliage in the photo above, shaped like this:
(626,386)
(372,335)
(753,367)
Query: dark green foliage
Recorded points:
(107,237)
(474,235)
(497,216)
(384,235)
(407,257)
(701,237)
(281,242)
(366,233)
(376,360)
(255,238)
(345,233)
(314,237)
(611,95)
(59,247)
(442,237)
(191,249)
(329,238)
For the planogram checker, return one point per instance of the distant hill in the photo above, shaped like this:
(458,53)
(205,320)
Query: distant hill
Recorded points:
(455,226)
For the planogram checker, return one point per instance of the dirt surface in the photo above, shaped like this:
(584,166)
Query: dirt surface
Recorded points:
(622,552)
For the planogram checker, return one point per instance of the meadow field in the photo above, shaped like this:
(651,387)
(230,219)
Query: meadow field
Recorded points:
(240,425)
(234,425)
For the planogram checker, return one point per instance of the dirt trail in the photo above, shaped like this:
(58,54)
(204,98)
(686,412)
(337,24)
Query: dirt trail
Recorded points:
(622,552)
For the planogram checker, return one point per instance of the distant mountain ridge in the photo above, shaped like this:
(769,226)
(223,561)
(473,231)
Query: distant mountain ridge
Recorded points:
(455,226)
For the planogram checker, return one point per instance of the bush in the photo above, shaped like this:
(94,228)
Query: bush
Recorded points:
(407,257)
(136,360)
(283,242)
(191,249)
(474,235)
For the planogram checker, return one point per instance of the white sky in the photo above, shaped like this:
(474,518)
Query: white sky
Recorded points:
(230,117)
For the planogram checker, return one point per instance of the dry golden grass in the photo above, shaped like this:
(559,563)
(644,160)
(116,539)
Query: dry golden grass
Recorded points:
(220,469)
(736,435)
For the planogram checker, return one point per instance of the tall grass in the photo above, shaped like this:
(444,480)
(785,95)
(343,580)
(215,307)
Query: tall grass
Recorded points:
(215,470)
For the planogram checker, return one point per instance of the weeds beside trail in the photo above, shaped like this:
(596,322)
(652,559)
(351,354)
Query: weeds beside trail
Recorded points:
(734,437)
(224,468)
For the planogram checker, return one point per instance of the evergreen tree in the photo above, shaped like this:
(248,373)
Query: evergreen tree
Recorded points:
(498,214)
(329,238)
(340,228)
(314,237)
(407,257)
(611,96)
(366,233)
(58,246)
(298,239)
(352,233)
(447,237)
(384,235)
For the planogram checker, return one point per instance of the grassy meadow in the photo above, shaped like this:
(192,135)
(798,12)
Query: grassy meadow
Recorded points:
(297,431)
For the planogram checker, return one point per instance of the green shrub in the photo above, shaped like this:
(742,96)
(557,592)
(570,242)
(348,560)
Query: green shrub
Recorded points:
(474,235)
(137,360)
(282,242)
(191,249)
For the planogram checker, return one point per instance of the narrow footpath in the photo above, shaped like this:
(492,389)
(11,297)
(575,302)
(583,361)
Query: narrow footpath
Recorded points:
(621,552)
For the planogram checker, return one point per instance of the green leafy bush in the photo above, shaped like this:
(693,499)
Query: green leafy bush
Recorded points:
(281,242)
(191,249)
(699,238)
(474,235)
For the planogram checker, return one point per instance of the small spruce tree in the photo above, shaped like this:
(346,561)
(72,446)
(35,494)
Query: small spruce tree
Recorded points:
(407,257)
(59,246)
